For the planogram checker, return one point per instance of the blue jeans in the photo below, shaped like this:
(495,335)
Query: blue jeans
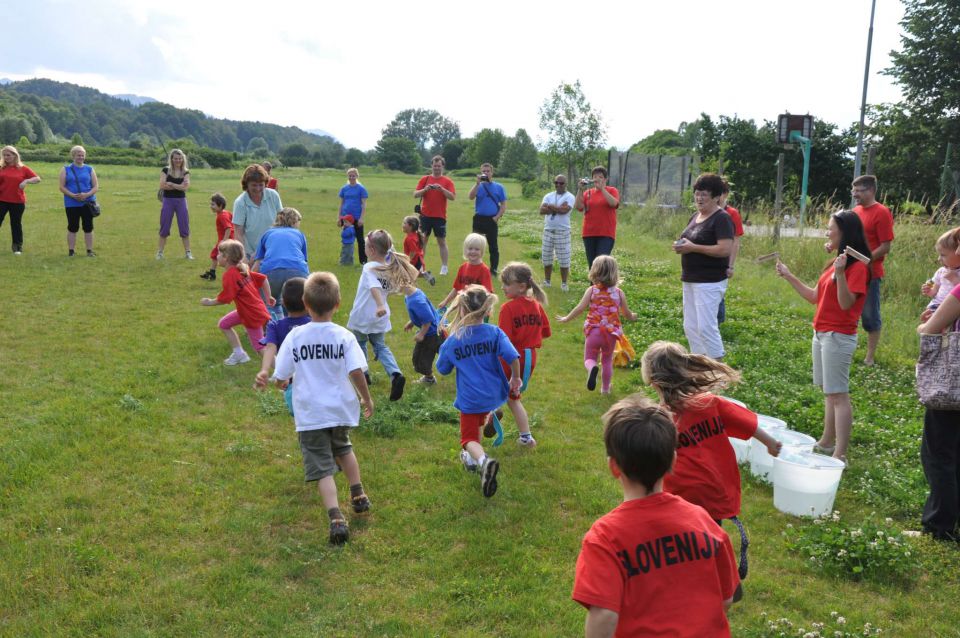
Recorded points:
(870,319)
(277,277)
(380,350)
(596,246)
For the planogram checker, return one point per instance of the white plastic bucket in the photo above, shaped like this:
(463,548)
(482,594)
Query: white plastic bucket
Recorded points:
(761,463)
(742,449)
(805,484)
(770,422)
(737,401)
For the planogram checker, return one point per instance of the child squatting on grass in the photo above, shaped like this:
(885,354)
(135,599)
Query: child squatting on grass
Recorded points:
(475,349)
(472,271)
(328,364)
(656,565)
(524,321)
(604,303)
(224,222)
(277,330)
(370,317)
(242,287)
(706,471)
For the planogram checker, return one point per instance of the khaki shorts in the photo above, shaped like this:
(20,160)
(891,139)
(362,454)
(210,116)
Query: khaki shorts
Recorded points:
(320,448)
(832,356)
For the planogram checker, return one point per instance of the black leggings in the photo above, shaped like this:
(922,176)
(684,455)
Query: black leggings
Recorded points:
(16,223)
(361,238)
(596,246)
(77,213)
(487,226)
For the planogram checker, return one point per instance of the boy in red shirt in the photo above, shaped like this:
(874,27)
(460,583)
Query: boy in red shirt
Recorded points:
(656,564)
(218,206)
(473,271)
(878,228)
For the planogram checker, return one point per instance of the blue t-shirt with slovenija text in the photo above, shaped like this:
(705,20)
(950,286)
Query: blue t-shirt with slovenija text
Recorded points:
(352,197)
(421,311)
(489,196)
(475,351)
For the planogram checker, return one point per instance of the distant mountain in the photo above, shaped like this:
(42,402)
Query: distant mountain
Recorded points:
(321,132)
(136,100)
(42,110)
(5,80)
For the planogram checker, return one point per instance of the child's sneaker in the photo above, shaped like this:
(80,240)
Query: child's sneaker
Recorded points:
(396,386)
(210,275)
(360,504)
(188,255)
(564,287)
(430,278)
(488,476)
(443,271)
(468,463)
(527,441)
(159,255)
(339,531)
(592,378)
(236,358)
(425,380)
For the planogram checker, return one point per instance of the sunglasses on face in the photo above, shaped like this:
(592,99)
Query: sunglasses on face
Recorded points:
(559,183)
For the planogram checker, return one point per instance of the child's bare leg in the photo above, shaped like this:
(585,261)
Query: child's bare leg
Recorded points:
(348,463)
(519,415)
(328,492)
(232,338)
(475,450)
(213,264)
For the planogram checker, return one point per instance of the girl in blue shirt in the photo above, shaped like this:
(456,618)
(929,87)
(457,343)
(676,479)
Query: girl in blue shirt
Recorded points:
(475,348)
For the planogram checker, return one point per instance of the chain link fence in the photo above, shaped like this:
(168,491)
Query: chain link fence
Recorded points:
(662,178)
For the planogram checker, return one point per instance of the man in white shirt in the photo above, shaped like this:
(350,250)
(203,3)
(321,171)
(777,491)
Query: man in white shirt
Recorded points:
(555,208)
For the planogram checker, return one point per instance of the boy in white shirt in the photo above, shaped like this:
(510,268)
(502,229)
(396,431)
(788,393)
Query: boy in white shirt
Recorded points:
(329,366)
(555,208)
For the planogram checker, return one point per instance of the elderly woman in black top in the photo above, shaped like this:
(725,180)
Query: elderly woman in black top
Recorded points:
(704,248)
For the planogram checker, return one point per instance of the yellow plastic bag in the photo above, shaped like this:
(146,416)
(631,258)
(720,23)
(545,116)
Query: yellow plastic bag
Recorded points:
(623,352)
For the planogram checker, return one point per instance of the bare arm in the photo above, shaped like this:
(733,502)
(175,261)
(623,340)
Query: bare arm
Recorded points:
(805,291)
(450,297)
(601,623)
(734,251)
(578,201)
(580,307)
(943,318)
(503,209)
(377,294)
(30,180)
(881,251)
(472,195)
(624,310)
(360,383)
(269,353)
(363,207)
(266,292)
(94,185)
(773,445)
(722,248)
(612,201)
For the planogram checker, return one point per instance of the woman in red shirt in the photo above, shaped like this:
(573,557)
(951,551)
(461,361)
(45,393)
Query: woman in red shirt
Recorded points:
(599,205)
(14,177)
(839,296)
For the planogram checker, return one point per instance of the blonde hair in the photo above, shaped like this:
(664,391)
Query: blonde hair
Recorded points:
(605,271)
(233,251)
(470,306)
(517,272)
(949,240)
(321,292)
(73,151)
(353,170)
(679,376)
(288,217)
(16,163)
(475,240)
(381,241)
(185,168)
(398,271)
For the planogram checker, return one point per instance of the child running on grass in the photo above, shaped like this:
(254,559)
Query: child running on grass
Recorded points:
(370,317)
(604,302)
(472,271)
(525,322)
(224,221)
(475,348)
(328,364)
(413,242)
(706,472)
(292,296)
(242,287)
(641,565)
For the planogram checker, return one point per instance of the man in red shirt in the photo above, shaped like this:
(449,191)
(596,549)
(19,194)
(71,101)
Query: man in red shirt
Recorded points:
(641,565)
(434,191)
(878,228)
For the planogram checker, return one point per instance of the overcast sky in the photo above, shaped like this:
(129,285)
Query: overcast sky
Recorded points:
(349,67)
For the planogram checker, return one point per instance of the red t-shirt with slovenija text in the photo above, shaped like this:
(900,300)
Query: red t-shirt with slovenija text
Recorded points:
(878,228)
(245,293)
(525,322)
(830,317)
(10,178)
(470,274)
(737,220)
(599,217)
(434,202)
(412,248)
(706,472)
(662,565)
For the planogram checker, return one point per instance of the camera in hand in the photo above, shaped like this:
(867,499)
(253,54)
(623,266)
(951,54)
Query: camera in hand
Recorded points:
(483,178)
(586,182)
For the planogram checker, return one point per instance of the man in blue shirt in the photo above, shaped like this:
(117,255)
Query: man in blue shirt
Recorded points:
(489,206)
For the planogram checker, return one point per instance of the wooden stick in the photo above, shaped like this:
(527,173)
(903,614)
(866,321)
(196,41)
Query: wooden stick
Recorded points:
(769,257)
(857,255)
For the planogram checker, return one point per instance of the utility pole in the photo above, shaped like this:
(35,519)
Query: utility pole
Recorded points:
(863,100)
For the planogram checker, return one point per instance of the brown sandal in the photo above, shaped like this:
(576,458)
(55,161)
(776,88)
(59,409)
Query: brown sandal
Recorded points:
(360,503)
(339,532)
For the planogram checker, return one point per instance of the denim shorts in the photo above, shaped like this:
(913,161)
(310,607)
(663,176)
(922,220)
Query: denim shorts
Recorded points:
(870,319)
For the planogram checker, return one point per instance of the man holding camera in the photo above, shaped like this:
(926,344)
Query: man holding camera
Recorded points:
(555,208)
(434,191)
(489,207)
(599,205)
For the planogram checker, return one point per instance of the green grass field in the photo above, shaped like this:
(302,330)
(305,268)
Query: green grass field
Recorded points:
(147,490)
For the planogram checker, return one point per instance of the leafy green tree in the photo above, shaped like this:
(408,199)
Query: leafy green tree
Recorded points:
(76,140)
(257,146)
(452,152)
(662,142)
(573,128)
(295,154)
(519,157)
(424,127)
(399,153)
(354,157)
(13,128)
(486,146)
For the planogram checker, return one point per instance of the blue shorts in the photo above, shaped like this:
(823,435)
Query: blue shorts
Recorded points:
(435,225)
(870,319)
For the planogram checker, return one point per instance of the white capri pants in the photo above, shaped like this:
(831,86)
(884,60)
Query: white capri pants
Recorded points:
(700,304)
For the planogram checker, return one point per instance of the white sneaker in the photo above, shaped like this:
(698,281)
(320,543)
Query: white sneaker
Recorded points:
(159,254)
(564,287)
(236,358)
(528,442)
(545,284)
(468,463)
(189,255)
(17,252)
(443,270)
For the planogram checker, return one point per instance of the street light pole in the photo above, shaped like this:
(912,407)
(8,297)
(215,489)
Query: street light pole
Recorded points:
(863,101)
